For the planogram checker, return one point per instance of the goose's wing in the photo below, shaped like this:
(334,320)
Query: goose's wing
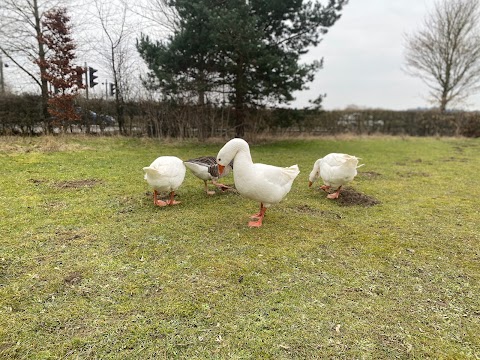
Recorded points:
(201,167)
(334,159)
(266,183)
(338,169)
(206,167)
(277,176)
(203,161)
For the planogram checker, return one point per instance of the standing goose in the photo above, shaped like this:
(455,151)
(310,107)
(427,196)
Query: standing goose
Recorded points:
(266,184)
(206,168)
(335,170)
(165,174)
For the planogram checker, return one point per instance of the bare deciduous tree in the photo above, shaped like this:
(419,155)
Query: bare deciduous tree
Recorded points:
(158,17)
(20,34)
(117,37)
(445,52)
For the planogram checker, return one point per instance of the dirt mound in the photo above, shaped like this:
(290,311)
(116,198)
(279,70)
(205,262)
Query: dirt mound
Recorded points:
(351,197)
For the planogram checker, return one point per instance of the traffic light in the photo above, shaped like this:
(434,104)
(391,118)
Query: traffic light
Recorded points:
(112,89)
(92,76)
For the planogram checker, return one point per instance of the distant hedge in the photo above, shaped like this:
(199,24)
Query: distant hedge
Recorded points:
(21,115)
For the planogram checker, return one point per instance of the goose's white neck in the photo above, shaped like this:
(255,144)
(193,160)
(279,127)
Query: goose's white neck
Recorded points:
(243,156)
(236,150)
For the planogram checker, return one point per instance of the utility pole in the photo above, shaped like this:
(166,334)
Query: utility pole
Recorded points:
(86,80)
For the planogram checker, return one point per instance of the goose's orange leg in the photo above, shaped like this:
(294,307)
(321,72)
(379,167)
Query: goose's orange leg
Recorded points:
(209,192)
(334,195)
(156,201)
(172,201)
(258,216)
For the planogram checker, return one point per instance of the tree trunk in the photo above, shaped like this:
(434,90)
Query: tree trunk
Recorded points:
(239,120)
(41,58)
(120,110)
(240,101)
(443,103)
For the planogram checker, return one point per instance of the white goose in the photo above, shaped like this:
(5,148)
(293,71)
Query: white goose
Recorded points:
(335,170)
(165,174)
(206,168)
(264,183)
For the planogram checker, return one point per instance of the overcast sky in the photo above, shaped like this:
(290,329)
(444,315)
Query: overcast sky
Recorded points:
(363,58)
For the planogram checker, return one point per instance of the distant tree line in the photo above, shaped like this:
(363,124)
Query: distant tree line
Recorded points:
(220,66)
(21,115)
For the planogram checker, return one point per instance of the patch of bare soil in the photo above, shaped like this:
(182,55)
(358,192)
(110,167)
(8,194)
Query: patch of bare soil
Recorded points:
(127,204)
(68,184)
(369,174)
(305,209)
(455,159)
(64,236)
(76,184)
(410,174)
(350,197)
(73,278)
(36,181)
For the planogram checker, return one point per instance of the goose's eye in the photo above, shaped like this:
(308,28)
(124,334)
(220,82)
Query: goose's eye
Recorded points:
(219,159)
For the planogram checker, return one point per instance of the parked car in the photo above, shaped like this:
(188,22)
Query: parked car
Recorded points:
(90,117)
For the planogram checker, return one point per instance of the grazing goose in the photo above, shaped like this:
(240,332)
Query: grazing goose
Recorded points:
(266,184)
(206,168)
(335,170)
(165,174)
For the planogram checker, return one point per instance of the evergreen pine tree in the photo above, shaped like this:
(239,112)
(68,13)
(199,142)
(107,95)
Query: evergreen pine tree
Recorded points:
(249,49)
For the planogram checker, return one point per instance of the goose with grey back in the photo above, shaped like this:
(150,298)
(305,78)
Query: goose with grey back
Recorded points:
(206,168)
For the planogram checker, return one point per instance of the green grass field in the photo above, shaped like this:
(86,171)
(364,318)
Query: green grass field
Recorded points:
(90,269)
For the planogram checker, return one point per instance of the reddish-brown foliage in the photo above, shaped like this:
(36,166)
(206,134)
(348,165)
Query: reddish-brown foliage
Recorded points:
(60,72)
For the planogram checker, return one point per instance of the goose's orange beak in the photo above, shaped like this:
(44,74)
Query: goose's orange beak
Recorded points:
(220,169)
(310,184)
